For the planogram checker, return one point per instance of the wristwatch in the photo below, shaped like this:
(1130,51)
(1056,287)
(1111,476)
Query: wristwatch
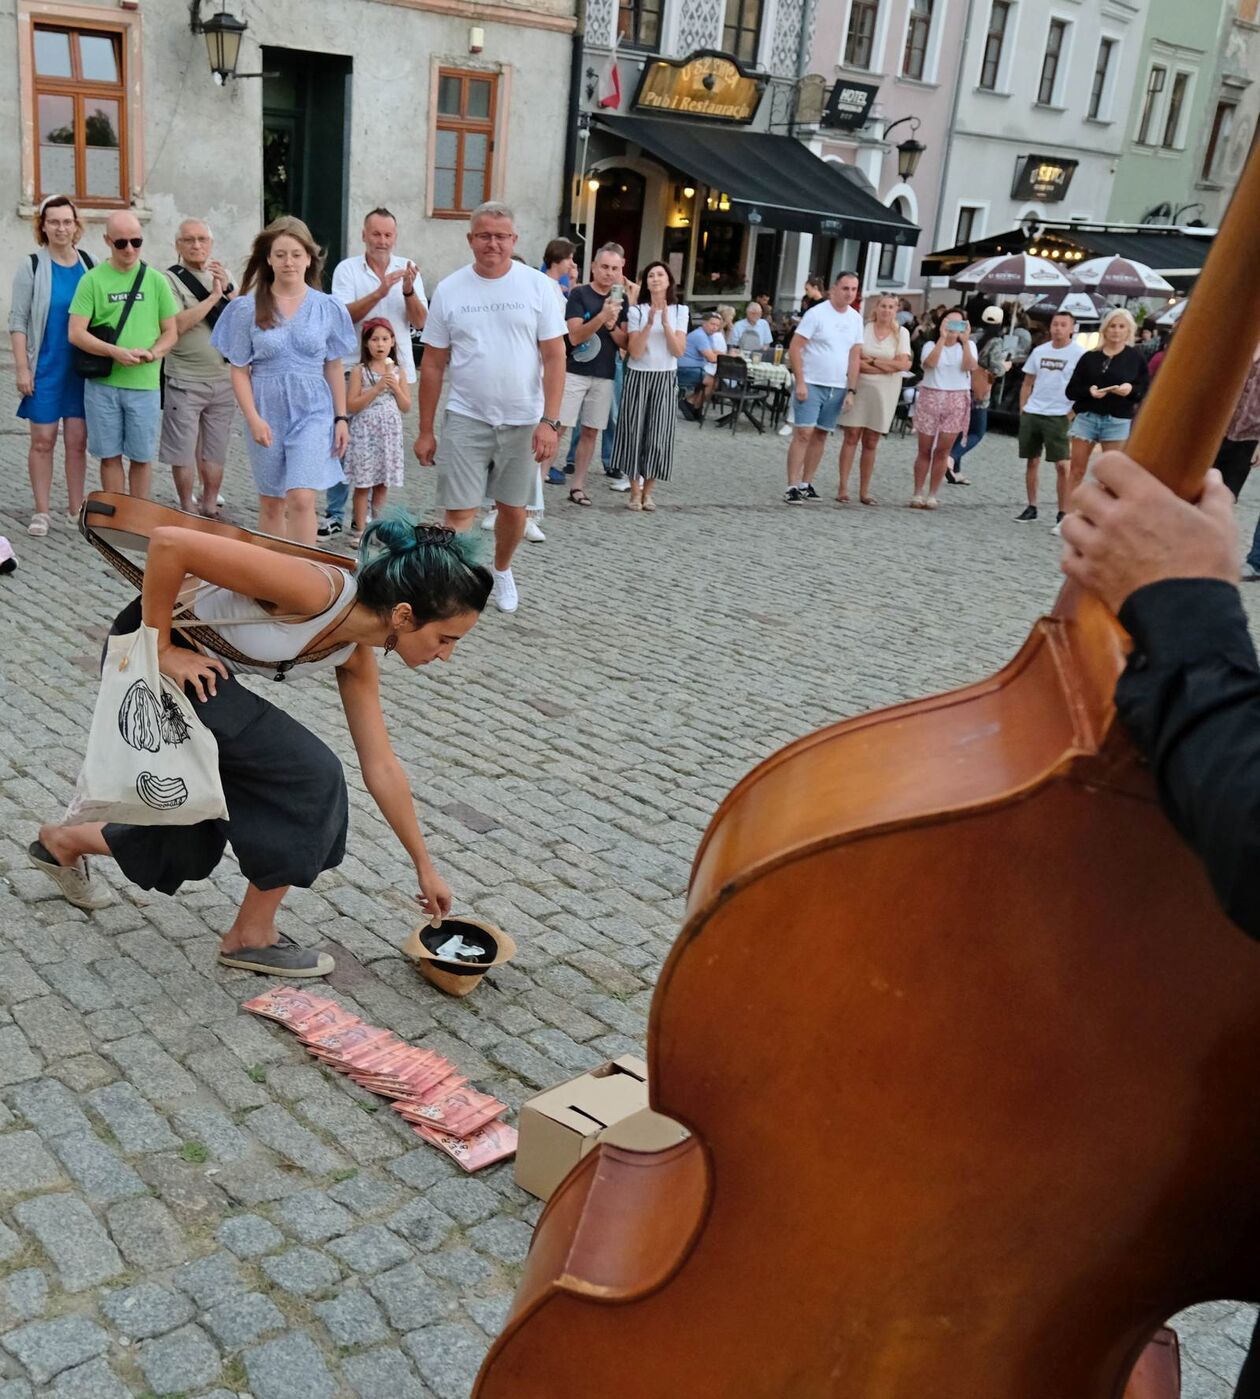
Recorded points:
(552,423)
(341,418)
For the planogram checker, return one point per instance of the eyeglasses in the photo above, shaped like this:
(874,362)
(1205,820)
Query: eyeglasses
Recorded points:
(494,237)
(121,243)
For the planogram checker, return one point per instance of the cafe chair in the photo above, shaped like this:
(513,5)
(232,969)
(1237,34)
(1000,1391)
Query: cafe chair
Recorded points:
(738,394)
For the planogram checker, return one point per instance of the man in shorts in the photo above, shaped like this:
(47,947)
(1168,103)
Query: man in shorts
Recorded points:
(498,325)
(826,359)
(699,358)
(124,409)
(595,315)
(1045,411)
(199,406)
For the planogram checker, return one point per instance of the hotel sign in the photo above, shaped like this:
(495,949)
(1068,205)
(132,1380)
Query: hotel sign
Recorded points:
(849,105)
(707,85)
(1043,177)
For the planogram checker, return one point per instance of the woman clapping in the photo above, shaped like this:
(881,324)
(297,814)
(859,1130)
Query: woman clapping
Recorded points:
(943,405)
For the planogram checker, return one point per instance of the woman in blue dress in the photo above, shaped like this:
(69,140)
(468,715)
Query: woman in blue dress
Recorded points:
(51,392)
(285,340)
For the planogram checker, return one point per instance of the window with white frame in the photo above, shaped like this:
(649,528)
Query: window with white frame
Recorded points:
(1052,61)
(1155,80)
(1098,91)
(994,43)
(918,34)
(889,252)
(1222,130)
(1175,112)
(859,44)
(970,223)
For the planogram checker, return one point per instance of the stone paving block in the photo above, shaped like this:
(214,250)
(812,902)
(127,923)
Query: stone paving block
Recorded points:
(447,1358)
(289,1367)
(467,1200)
(95,1380)
(370,1249)
(18,1061)
(25,1294)
(355,1131)
(383,1374)
(226,1075)
(190,1195)
(147,1065)
(490,1313)
(147,1233)
(18,980)
(53,1027)
(252,1182)
(302,1271)
(73,1239)
(278,1129)
(502,1238)
(460,1266)
(184,1360)
(409,1295)
(106,1025)
(248,1235)
(312,1217)
(129,981)
(423,1167)
(10,1244)
(209,1280)
(135,1125)
(146,1310)
(214,1131)
(421,1223)
(242,1320)
(16,1389)
(100,1172)
(79,985)
(83,1072)
(46,1348)
(366,1195)
(26,1165)
(352,1318)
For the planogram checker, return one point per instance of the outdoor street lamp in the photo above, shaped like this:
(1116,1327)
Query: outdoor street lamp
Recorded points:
(1184,209)
(910,151)
(223,42)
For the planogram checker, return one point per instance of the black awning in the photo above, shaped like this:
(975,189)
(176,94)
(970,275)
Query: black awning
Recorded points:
(1173,253)
(782,180)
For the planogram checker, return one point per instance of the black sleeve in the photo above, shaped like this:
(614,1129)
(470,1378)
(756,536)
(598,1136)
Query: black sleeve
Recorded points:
(1141,377)
(1190,698)
(1082,378)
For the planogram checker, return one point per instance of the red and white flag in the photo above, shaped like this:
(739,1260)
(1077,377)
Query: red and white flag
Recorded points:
(609,91)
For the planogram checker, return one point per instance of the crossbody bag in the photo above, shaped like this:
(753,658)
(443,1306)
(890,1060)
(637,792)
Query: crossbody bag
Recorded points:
(92,366)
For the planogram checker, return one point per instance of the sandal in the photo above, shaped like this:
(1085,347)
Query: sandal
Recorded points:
(635,503)
(868,500)
(842,500)
(39,523)
(917,503)
(649,504)
(931,503)
(954,478)
(283,958)
(579,497)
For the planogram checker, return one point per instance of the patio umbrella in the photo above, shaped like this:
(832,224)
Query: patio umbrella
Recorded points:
(1084,305)
(1172,315)
(1011,274)
(1120,276)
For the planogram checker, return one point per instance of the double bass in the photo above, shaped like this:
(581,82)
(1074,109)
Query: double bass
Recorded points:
(966,1050)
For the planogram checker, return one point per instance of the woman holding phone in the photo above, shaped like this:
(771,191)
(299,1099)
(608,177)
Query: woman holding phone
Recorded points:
(942,406)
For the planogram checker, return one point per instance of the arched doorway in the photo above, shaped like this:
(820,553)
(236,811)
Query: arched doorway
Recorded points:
(619,212)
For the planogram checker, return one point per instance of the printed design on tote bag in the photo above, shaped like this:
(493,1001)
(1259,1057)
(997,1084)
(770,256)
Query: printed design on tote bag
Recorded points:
(161,793)
(147,723)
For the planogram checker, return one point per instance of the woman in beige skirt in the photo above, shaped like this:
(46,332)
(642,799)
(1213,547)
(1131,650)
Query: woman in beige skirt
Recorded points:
(885,357)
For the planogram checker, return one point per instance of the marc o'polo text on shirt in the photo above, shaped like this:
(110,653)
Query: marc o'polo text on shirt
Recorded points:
(493,306)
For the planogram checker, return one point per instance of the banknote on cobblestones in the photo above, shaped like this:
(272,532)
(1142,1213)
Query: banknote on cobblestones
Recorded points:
(483,1148)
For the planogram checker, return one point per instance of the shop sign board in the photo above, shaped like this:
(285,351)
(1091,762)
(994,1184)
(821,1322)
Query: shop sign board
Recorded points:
(1043,177)
(849,105)
(707,85)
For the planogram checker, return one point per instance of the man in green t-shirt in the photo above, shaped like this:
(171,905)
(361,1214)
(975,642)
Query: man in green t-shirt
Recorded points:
(124,409)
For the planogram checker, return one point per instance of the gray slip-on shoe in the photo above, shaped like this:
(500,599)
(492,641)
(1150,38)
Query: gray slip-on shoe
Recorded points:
(74,881)
(283,958)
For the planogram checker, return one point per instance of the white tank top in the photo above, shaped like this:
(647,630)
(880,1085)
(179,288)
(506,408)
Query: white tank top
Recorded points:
(258,634)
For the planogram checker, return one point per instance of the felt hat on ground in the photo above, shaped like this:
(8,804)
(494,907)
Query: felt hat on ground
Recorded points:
(457,976)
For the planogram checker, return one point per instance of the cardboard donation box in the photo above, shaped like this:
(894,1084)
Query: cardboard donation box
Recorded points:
(610,1104)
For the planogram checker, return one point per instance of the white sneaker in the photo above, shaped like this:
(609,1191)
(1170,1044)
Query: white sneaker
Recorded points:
(622,483)
(489,521)
(533,532)
(504,592)
(786,430)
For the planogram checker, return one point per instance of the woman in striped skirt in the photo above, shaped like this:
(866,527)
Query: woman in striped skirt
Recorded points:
(644,446)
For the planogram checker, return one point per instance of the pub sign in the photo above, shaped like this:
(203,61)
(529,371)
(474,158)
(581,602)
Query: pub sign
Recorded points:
(849,105)
(1043,177)
(707,85)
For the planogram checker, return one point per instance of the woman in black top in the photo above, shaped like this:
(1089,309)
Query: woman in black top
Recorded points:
(1105,388)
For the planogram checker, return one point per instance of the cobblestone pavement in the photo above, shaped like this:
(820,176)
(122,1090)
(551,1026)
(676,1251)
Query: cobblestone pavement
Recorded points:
(187,1204)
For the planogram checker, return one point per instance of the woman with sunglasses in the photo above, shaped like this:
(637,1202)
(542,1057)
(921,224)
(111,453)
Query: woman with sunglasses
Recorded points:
(51,392)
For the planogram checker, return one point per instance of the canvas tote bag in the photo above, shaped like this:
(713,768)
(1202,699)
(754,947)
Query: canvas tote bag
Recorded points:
(150,761)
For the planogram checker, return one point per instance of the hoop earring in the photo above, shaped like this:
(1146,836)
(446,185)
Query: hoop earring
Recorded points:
(391,642)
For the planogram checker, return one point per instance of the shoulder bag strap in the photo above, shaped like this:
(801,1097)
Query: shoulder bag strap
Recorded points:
(87,259)
(188,280)
(131,301)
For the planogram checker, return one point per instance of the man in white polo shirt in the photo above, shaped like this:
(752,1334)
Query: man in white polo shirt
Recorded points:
(826,359)
(378,283)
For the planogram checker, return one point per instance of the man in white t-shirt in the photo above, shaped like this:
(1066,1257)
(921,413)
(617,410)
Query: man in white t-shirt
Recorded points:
(826,359)
(753,332)
(499,326)
(378,283)
(1045,412)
